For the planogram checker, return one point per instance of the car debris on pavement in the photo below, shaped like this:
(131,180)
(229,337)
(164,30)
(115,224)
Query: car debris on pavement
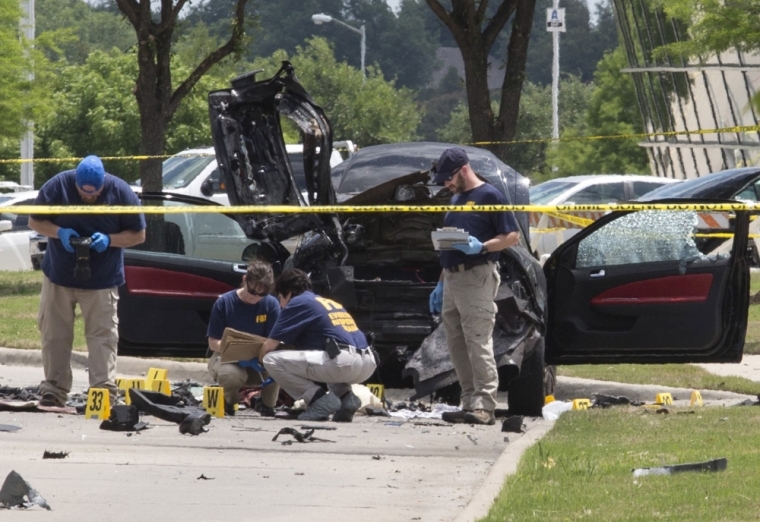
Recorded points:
(17,493)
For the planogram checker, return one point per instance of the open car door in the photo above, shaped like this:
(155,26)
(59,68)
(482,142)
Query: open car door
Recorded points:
(645,287)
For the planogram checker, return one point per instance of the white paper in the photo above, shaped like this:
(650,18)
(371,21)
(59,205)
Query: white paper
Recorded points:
(443,238)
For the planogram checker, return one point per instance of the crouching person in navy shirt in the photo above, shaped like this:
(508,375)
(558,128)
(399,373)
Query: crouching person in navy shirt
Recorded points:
(329,348)
(248,309)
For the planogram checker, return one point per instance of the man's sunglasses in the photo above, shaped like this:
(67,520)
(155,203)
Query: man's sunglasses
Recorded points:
(254,292)
(452,175)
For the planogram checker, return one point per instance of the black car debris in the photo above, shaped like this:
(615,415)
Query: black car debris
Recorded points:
(632,287)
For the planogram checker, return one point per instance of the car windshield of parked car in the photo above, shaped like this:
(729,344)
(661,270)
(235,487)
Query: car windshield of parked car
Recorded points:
(180,171)
(199,235)
(366,172)
(642,237)
(544,192)
(4,199)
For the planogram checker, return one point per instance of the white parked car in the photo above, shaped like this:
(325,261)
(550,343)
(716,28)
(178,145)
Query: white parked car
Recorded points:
(549,230)
(194,172)
(14,231)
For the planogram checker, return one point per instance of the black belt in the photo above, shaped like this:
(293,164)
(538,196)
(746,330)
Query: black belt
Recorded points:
(467,265)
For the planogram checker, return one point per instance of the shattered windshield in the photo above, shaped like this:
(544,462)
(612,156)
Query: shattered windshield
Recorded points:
(642,237)
(180,171)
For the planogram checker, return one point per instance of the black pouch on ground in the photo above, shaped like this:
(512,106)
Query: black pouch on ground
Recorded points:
(15,489)
(170,409)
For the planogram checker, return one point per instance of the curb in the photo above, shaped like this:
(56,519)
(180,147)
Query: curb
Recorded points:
(125,366)
(504,466)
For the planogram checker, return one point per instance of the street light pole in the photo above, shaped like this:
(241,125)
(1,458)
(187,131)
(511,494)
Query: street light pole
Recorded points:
(322,18)
(555,23)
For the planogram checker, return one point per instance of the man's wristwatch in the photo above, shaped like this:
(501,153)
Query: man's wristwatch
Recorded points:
(483,249)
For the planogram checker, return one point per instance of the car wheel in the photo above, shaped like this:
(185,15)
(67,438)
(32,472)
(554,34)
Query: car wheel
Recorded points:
(525,395)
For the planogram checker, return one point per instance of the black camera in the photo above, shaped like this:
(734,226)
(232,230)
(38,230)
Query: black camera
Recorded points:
(82,250)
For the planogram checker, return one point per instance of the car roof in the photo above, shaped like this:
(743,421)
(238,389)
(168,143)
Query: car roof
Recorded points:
(609,178)
(17,196)
(718,185)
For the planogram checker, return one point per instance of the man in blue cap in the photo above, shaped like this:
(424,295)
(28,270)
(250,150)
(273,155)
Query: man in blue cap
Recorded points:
(84,264)
(469,280)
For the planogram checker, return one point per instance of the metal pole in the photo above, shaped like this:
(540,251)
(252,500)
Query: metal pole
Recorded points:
(27,143)
(364,48)
(555,85)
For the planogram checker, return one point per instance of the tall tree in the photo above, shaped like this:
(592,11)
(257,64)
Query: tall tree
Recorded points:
(475,34)
(157,99)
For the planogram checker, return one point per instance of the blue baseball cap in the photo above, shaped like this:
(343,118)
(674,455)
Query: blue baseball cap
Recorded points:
(450,161)
(90,172)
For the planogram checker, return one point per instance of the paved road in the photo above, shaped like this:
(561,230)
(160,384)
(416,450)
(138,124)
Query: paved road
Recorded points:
(424,472)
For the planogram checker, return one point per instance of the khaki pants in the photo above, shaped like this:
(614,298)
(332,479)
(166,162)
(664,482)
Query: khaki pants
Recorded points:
(298,371)
(468,315)
(232,377)
(101,329)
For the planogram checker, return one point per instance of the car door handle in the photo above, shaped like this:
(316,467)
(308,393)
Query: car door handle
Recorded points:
(598,273)
(240,269)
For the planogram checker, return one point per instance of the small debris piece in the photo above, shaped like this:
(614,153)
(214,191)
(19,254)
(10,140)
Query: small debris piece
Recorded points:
(298,436)
(331,428)
(377,457)
(473,439)
(513,424)
(710,465)
(299,473)
(15,489)
(606,401)
(204,477)
(376,412)
(9,428)
(55,455)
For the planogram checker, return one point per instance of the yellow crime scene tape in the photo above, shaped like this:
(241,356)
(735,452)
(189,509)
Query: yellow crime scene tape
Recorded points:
(664,134)
(369,209)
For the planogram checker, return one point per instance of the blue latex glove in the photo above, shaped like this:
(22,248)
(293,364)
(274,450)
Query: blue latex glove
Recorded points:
(254,364)
(436,299)
(65,235)
(472,247)
(100,242)
(267,382)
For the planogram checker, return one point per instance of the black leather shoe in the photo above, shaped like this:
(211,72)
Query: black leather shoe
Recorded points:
(229,409)
(50,400)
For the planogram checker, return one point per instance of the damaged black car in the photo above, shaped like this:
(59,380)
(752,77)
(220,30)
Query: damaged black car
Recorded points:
(633,287)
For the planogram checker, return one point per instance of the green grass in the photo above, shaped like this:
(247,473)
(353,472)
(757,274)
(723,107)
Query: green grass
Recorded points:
(581,470)
(19,302)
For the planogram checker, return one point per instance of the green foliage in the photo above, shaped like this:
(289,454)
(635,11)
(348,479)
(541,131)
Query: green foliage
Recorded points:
(96,113)
(612,110)
(715,25)
(78,29)
(581,47)
(368,112)
(535,123)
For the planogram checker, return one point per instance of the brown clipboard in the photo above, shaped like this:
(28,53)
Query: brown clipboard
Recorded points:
(239,346)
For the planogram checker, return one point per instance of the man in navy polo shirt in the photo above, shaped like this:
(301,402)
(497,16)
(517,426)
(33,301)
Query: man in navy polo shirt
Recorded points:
(468,284)
(97,292)
(248,309)
(329,348)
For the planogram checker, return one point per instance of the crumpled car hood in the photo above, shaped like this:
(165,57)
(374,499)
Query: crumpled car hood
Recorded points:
(250,149)
(521,302)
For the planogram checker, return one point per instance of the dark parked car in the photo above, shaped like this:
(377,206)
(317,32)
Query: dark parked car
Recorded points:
(632,287)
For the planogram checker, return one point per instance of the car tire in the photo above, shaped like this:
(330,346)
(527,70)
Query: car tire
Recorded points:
(525,394)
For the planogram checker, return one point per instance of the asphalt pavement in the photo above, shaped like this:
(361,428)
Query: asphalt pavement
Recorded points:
(374,468)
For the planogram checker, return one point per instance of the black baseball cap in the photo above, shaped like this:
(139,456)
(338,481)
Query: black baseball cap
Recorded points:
(450,161)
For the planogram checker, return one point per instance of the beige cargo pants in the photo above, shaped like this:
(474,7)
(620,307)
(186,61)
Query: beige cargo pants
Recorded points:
(468,315)
(232,377)
(101,329)
(298,371)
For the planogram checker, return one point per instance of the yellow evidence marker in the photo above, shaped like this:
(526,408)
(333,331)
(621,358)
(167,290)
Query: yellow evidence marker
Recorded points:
(160,386)
(213,400)
(581,404)
(378,390)
(696,399)
(98,404)
(155,374)
(664,399)
(126,384)
(549,399)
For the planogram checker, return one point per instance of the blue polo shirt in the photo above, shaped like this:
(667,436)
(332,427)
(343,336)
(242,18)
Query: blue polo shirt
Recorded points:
(308,320)
(107,268)
(231,311)
(482,225)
